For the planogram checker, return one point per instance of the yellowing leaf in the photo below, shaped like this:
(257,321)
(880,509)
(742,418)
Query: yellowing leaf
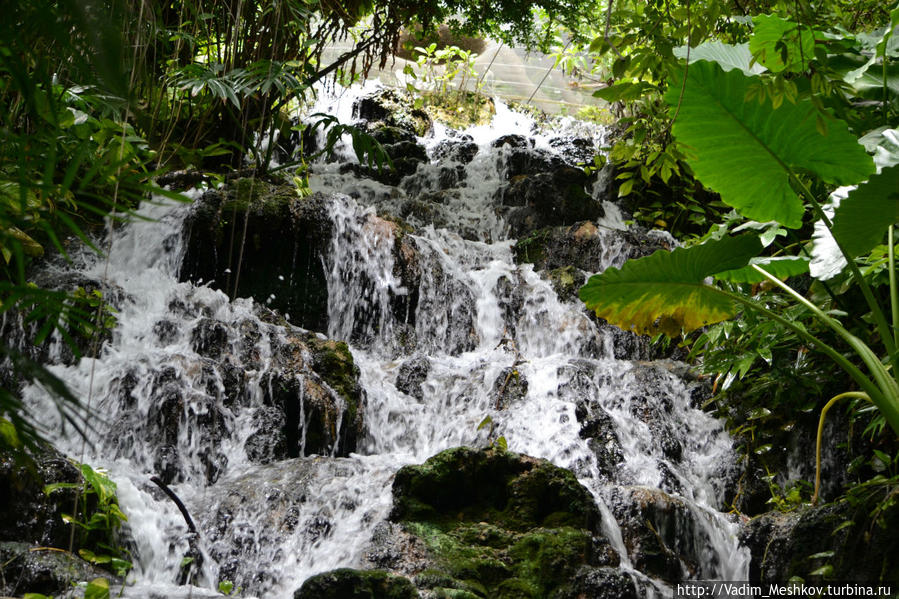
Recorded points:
(666,292)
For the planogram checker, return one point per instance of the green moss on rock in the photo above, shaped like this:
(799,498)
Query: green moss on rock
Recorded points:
(498,524)
(346,583)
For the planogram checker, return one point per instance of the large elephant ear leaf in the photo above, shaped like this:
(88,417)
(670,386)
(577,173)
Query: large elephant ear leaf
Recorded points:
(666,292)
(862,219)
(746,151)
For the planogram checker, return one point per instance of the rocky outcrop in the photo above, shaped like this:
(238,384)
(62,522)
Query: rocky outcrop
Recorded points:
(392,108)
(34,538)
(233,234)
(356,584)
(837,541)
(548,198)
(489,523)
(585,246)
(27,514)
(40,569)
(662,533)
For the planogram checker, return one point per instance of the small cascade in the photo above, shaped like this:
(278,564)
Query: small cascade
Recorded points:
(288,466)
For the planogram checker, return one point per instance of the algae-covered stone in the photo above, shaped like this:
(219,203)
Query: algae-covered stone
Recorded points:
(515,491)
(499,524)
(45,570)
(346,583)
(259,239)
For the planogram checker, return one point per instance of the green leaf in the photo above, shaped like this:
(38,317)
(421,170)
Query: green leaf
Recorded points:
(781,267)
(728,56)
(98,588)
(776,39)
(863,217)
(746,151)
(624,91)
(666,292)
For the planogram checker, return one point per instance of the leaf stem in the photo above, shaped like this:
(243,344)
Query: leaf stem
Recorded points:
(883,328)
(887,396)
(824,410)
(894,292)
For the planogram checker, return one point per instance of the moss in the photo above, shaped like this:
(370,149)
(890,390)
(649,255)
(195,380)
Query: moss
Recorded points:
(459,113)
(333,361)
(532,249)
(346,583)
(496,523)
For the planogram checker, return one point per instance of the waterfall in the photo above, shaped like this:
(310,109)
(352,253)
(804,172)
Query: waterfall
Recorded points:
(446,329)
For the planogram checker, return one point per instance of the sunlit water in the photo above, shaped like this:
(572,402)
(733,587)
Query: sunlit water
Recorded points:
(269,527)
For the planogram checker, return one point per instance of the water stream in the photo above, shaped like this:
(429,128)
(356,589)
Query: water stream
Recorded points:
(478,315)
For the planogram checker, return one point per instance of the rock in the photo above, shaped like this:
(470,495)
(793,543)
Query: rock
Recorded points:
(314,387)
(599,429)
(26,512)
(41,569)
(392,108)
(388,135)
(278,259)
(210,338)
(461,150)
(411,374)
(585,246)
(498,524)
(566,282)
(549,199)
(509,387)
(782,545)
(574,150)
(599,583)
(519,491)
(512,140)
(515,162)
(661,532)
(345,583)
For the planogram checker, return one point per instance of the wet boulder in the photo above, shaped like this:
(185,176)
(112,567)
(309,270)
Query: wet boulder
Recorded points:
(498,524)
(599,430)
(27,514)
(392,108)
(258,239)
(45,570)
(346,583)
(549,199)
(574,150)
(313,387)
(839,541)
(663,534)
(586,246)
(460,149)
(509,387)
(600,583)
(411,374)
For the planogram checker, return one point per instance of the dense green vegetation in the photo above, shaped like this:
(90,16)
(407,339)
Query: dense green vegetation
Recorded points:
(771,112)
(98,98)
(737,119)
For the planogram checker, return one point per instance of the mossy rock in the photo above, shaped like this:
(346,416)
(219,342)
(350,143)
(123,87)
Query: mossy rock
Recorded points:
(35,569)
(346,583)
(513,491)
(259,239)
(333,361)
(499,524)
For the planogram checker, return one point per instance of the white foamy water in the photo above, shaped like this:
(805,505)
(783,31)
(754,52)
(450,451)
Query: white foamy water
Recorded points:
(477,316)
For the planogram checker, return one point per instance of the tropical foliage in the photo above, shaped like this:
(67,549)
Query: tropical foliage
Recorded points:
(760,125)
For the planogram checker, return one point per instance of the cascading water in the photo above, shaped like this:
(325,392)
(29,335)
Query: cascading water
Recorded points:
(192,381)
